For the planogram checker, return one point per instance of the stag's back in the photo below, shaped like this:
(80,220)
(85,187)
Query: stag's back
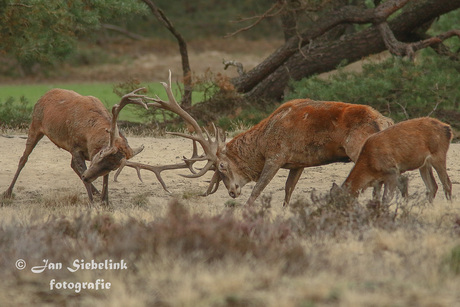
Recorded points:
(407,144)
(311,132)
(72,121)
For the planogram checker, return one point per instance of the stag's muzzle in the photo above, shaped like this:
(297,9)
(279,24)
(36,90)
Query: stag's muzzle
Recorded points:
(234,191)
(87,179)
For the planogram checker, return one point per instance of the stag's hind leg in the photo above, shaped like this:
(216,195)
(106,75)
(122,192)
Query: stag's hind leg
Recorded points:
(79,166)
(32,139)
(427,175)
(441,169)
(293,178)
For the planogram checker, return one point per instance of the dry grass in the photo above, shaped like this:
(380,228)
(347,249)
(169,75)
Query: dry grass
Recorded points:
(318,252)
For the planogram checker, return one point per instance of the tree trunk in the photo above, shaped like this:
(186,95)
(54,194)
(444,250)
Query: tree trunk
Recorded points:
(186,71)
(289,22)
(270,78)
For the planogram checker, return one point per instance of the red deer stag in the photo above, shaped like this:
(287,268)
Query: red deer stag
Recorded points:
(300,133)
(420,143)
(82,126)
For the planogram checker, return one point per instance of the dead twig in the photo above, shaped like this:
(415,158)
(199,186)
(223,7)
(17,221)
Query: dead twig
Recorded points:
(265,15)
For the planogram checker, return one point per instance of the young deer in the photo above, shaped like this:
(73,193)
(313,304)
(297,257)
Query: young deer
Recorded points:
(82,126)
(420,143)
(300,133)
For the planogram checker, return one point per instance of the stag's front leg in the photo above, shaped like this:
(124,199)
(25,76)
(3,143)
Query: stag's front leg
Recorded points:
(269,171)
(391,183)
(79,166)
(105,190)
(293,178)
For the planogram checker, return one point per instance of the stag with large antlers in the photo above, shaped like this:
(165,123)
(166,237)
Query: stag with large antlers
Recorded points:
(82,126)
(300,133)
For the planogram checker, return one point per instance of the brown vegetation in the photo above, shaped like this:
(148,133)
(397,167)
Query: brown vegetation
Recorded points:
(182,249)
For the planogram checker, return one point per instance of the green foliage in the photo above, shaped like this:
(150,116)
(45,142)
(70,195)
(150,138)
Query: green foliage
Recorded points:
(24,97)
(445,23)
(396,87)
(15,114)
(45,31)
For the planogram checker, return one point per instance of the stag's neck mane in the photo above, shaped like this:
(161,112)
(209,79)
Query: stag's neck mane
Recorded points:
(244,151)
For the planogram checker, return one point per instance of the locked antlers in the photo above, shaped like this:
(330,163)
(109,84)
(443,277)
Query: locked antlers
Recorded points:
(209,145)
(158,169)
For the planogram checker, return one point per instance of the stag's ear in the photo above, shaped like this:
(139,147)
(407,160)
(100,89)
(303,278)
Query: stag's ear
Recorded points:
(107,151)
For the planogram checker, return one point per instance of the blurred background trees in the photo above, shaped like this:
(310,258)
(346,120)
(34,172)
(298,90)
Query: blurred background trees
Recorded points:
(314,36)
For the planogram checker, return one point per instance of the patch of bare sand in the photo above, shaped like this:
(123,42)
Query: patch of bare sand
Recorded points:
(48,171)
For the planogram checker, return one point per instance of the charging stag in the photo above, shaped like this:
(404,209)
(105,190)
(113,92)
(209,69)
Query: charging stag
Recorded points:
(82,126)
(420,143)
(300,133)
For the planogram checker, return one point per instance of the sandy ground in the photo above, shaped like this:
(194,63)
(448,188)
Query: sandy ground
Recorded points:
(48,171)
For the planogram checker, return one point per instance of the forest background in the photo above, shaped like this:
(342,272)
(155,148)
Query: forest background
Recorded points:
(96,50)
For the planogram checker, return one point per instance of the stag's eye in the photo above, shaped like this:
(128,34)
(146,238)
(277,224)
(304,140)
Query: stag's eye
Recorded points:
(222,166)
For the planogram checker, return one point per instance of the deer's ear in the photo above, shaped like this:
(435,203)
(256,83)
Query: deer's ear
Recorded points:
(108,151)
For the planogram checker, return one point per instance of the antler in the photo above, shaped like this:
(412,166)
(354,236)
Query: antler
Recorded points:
(188,163)
(209,146)
(130,98)
(213,184)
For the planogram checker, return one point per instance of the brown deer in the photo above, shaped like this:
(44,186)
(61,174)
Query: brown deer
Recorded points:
(300,133)
(420,143)
(82,126)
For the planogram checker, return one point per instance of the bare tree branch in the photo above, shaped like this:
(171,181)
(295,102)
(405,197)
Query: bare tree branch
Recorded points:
(384,10)
(265,15)
(408,49)
(325,56)
(345,14)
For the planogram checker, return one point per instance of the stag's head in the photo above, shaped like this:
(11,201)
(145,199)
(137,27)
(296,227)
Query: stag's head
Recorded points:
(115,154)
(229,172)
(109,159)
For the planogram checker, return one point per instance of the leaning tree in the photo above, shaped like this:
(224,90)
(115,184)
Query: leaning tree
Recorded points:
(399,26)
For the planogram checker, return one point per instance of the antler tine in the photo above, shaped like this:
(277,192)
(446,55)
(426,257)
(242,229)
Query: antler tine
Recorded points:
(123,164)
(202,171)
(130,98)
(155,169)
(188,163)
(213,184)
(193,159)
(171,105)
